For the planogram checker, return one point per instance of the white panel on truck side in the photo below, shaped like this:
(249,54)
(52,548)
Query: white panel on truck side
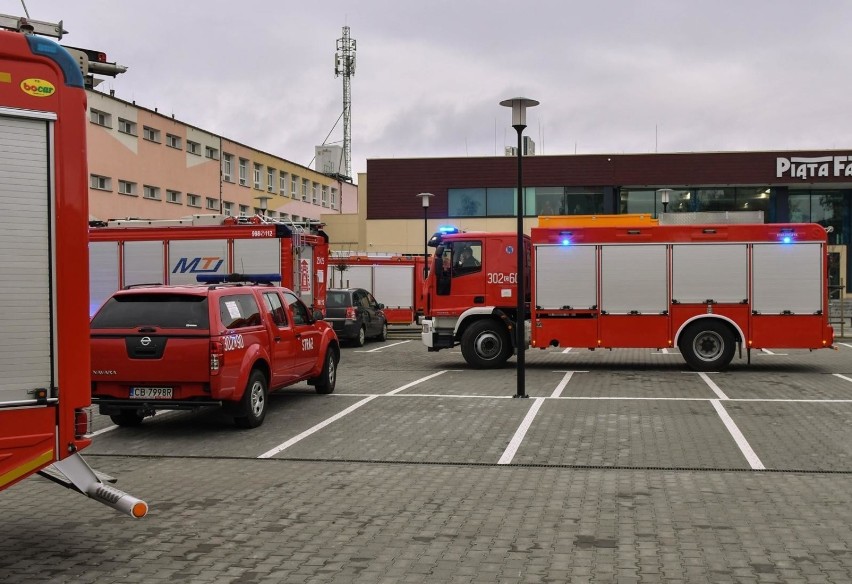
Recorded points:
(25,237)
(393,286)
(709,271)
(634,279)
(566,277)
(143,262)
(188,259)
(103,273)
(258,256)
(788,277)
(354,277)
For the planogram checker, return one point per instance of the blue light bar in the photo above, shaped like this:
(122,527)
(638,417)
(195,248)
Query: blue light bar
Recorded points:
(448,229)
(223,278)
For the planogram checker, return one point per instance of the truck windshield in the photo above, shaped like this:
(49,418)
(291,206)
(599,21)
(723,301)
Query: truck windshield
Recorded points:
(157,310)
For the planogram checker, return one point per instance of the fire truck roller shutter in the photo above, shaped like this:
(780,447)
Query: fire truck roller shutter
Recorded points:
(709,271)
(788,277)
(25,210)
(356,277)
(634,278)
(143,263)
(257,256)
(566,276)
(393,286)
(103,273)
(188,259)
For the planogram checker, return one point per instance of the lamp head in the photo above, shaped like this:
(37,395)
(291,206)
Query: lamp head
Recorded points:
(424,197)
(519,107)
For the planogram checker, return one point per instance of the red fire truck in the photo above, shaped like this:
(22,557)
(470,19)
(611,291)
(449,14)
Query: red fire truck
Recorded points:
(136,251)
(44,349)
(704,289)
(395,280)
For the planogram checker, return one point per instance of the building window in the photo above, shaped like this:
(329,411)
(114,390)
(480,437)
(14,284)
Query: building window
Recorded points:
(172,141)
(100,118)
(466,202)
(150,192)
(282,183)
(211,153)
(315,193)
(228,208)
(126,126)
(212,204)
(244,210)
(256,175)
(243,172)
(193,147)
(227,167)
(101,183)
(333,198)
(305,183)
(270,179)
(193,200)
(173,197)
(151,134)
(823,207)
(324,196)
(125,187)
(294,187)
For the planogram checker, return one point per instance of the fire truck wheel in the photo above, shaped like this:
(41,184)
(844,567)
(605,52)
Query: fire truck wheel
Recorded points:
(486,345)
(707,346)
(127,418)
(328,378)
(252,408)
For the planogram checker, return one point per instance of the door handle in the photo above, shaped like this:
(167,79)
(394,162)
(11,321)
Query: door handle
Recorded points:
(479,299)
(277,339)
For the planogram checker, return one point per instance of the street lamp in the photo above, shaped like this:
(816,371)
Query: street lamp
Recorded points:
(424,197)
(664,198)
(262,204)
(519,107)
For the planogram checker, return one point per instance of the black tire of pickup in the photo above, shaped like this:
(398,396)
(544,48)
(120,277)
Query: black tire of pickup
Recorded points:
(252,407)
(127,418)
(326,381)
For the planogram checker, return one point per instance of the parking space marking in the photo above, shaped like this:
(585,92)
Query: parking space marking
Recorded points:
(567,350)
(842,376)
(298,438)
(663,351)
(115,426)
(516,440)
(383,347)
(768,352)
(558,391)
(846,345)
(738,437)
(712,385)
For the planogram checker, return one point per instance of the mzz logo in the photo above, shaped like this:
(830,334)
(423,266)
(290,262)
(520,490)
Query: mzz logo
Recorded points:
(307,344)
(198,265)
(233,342)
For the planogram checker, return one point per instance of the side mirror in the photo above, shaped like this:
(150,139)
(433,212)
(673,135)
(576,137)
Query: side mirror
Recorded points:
(318,315)
(381,306)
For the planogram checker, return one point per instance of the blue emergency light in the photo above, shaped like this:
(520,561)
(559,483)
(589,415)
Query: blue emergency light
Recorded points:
(787,235)
(448,229)
(224,278)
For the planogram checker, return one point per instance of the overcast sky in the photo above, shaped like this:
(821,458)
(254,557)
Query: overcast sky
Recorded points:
(620,76)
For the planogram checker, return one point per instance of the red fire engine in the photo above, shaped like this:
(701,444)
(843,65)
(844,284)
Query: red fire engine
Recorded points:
(704,289)
(44,350)
(136,251)
(395,280)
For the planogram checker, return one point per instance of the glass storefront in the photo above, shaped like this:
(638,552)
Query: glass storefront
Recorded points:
(683,200)
(824,207)
(502,202)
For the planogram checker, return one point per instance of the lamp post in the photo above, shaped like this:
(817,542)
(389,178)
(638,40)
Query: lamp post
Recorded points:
(519,107)
(424,198)
(664,198)
(262,204)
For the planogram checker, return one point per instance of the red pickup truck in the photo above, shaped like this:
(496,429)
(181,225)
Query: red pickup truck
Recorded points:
(160,347)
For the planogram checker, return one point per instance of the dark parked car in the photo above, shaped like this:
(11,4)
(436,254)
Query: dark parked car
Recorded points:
(355,315)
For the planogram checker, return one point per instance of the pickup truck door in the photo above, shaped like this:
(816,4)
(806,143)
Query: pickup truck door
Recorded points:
(307,335)
(284,346)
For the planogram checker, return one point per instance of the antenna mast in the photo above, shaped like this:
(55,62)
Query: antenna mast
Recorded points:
(344,64)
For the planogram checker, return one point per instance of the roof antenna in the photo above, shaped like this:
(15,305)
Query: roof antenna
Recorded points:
(27,12)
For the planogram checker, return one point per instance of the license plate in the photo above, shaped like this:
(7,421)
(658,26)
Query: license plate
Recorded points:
(150,393)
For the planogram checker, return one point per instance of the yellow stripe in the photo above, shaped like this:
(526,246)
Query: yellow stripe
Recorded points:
(26,468)
(5,77)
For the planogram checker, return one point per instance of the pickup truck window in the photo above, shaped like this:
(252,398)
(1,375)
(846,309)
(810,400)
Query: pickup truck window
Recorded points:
(298,308)
(275,308)
(238,311)
(157,310)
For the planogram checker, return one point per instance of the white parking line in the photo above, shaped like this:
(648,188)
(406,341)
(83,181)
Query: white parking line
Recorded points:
(713,386)
(846,345)
(738,437)
(567,350)
(768,352)
(558,391)
(515,443)
(383,347)
(334,418)
(842,376)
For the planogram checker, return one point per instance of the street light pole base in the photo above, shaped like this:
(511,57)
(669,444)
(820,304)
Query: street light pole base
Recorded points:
(524,396)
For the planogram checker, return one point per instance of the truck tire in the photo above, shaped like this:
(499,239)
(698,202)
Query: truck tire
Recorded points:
(127,418)
(486,345)
(707,345)
(328,378)
(252,408)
